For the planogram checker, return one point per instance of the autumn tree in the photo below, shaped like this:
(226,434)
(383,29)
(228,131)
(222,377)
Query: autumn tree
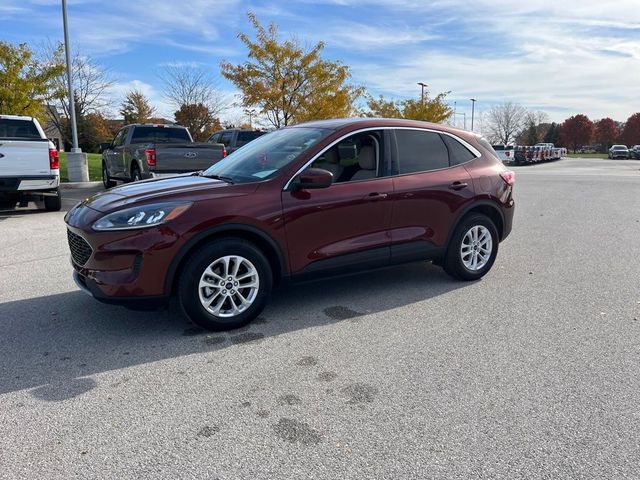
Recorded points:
(136,108)
(199,120)
(576,131)
(93,130)
(606,133)
(429,110)
(91,86)
(631,131)
(26,82)
(288,83)
(505,121)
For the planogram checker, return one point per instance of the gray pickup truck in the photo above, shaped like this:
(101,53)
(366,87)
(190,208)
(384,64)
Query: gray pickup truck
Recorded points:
(234,138)
(145,150)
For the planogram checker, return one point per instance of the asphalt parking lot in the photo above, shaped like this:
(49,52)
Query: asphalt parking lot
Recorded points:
(532,372)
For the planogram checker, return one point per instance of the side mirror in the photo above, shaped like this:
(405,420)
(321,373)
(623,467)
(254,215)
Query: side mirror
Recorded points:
(105,146)
(313,178)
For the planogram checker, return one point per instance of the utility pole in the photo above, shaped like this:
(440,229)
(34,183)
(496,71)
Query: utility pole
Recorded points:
(473,109)
(77,161)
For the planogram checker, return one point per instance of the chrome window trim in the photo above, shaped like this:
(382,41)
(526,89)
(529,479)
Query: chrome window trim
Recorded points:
(466,144)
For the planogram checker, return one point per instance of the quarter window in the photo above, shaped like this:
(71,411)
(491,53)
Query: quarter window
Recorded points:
(420,151)
(458,153)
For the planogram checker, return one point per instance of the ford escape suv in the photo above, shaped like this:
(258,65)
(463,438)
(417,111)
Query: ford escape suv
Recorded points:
(320,198)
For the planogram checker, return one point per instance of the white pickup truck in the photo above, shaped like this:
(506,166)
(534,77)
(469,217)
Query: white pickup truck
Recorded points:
(29,164)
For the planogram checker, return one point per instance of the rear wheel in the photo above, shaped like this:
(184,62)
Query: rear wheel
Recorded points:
(53,203)
(225,284)
(473,248)
(106,179)
(135,174)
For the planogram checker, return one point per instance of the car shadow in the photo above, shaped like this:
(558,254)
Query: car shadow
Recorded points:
(53,345)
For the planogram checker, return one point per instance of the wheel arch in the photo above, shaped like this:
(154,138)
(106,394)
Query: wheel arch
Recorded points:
(262,240)
(486,207)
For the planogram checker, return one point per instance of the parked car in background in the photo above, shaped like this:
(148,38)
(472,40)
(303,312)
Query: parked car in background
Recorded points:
(619,151)
(29,164)
(550,151)
(234,138)
(289,206)
(634,152)
(505,153)
(520,155)
(145,150)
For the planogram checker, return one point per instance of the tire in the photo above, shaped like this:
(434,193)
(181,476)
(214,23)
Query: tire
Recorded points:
(53,204)
(135,174)
(455,263)
(106,179)
(209,260)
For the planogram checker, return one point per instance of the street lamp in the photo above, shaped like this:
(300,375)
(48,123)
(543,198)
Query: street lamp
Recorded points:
(77,169)
(250,113)
(423,86)
(473,108)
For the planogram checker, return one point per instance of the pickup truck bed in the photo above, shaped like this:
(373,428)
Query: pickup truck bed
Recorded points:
(29,164)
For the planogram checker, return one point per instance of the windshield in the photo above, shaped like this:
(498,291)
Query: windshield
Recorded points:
(265,156)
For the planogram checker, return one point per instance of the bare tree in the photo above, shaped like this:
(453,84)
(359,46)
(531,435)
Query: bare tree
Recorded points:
(504,122)
(91,85)
(192,86)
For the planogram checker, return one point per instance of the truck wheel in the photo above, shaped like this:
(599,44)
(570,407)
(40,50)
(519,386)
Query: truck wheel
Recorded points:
(225,284)
(106,179)
(135,174)
(53,204)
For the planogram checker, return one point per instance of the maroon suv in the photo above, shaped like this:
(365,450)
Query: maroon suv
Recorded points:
(320,198)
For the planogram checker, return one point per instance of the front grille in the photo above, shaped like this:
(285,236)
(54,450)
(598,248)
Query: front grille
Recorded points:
(80,249)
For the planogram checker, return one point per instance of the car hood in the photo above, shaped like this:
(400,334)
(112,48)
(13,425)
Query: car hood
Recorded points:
(187,187)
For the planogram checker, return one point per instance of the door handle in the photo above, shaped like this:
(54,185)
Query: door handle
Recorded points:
(376,196)
(457,185)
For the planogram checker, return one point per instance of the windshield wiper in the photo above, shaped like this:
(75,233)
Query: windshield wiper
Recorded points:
(220,177)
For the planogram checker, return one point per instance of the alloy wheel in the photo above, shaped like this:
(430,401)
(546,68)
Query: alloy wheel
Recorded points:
(476,248)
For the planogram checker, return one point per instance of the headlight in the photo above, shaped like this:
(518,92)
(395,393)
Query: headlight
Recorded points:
(142,217)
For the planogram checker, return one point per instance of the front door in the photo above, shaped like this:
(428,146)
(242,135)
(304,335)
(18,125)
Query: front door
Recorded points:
(344,226)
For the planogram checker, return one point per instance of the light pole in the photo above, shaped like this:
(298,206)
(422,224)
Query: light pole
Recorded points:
(422,86)
(250,113)
(77,161)
(473,109)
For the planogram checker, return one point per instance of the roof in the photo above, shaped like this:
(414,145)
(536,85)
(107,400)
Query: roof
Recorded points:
(16,117)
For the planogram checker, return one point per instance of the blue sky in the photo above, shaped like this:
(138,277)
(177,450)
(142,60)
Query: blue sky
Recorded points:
(574,56)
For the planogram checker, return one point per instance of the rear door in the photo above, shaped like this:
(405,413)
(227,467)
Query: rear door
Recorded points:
(347,224)
(430,188)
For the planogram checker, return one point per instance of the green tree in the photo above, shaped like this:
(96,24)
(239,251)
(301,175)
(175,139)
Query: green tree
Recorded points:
(288,83)
(27,83)
(199,120)
(553,134)
(429,110)
(136,108)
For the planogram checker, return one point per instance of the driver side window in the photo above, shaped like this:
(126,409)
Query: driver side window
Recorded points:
(355,158)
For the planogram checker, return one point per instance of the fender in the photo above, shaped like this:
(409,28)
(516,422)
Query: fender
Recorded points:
(480,203)
(215,231)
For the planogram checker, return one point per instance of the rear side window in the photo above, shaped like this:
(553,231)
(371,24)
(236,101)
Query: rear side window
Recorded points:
(26,129)
(458,153)
(482,141)
(226,138)
(246,137)
(160,135)
(420,151)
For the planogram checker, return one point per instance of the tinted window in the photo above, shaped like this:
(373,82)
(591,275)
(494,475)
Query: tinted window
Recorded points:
(160,135)
(18,129)
(120,136)
(226,138)
(246,137)
(458,153)
(420,151)
(215,138)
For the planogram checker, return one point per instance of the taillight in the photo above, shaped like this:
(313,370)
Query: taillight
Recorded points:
(224,152)
(509,177)
(150,155)
(54,159)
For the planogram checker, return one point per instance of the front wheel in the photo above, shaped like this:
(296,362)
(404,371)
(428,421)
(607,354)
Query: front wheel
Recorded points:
(473,248)
(106,179)
(225,284)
